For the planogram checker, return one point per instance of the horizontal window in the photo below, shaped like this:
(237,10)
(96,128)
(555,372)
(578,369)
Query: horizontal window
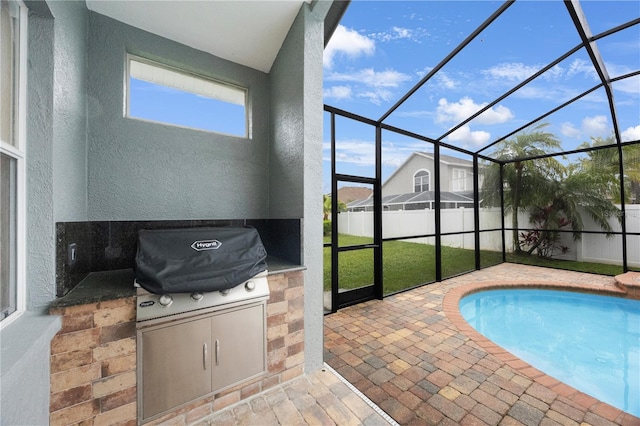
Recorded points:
(166,95)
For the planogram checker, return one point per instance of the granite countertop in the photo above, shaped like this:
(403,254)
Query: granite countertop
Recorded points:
(98,287)
(111,285)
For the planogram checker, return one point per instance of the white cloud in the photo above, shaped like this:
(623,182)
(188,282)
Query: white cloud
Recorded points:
(445,81)
(348,42)
(421,73)
(515,71)
(555,73)
(396,33)
(580,66)
(631,134)
(569,130)
(361,152)
(465,107)
(368,76)
(352,151)
(468,137)
(370,84)
(628,85)
(401,33)
(595,126)
(533,92)
(377,96)
(337,92)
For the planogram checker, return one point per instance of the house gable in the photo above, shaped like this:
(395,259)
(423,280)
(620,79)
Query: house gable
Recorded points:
(451,170)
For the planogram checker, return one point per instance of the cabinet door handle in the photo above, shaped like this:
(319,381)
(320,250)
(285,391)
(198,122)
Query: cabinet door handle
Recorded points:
(217,351)
(204,355)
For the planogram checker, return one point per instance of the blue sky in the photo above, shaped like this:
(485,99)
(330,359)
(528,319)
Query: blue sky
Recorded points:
(382,49)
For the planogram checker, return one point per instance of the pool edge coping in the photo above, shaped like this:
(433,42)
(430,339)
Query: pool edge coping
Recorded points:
(450,306)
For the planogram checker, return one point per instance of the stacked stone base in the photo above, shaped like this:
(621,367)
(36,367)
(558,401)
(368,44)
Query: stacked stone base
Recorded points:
(93,360)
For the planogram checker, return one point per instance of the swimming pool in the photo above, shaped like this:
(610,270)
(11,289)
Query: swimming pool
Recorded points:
(590,342)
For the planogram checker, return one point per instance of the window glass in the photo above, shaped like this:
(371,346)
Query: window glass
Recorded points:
(12,56)
(9,32)
(7,236)
(459,180)
(421,181)
(161,94)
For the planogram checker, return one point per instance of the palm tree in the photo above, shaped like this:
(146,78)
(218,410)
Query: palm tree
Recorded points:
(523,179)
(561,202)
(631,163)
(326,206)
(606,161)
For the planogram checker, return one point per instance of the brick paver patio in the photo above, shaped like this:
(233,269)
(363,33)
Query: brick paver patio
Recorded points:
(318,398)
(415,357)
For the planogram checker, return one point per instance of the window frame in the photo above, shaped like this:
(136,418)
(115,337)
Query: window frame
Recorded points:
(422,177)
(455,179)
(16,149)
(127,95)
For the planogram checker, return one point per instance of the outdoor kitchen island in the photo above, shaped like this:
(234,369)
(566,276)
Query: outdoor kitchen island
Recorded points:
(94,356)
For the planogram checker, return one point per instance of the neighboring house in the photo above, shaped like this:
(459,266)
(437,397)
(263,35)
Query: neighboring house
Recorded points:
(77,164)
(411,186)
(416,174)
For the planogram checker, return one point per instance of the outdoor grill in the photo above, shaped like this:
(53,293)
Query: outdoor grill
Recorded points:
(184,270)
(201,314)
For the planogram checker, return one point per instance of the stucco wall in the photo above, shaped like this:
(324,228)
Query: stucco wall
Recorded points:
(296,156)
(70,111)
(147,171)
(40,243)
(24,366)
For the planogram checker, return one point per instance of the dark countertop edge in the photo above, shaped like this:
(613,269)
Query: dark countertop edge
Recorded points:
(99,287)
(111,285)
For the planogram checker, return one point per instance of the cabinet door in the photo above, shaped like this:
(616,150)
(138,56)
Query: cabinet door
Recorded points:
(238,339)
(176,363)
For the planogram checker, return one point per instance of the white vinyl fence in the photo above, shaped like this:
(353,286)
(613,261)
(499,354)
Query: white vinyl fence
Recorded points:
(406,223)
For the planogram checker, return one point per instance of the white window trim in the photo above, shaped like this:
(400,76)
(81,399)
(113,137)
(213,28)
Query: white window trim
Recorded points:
(456,179)
(230,99)
(413,179)
(18,153)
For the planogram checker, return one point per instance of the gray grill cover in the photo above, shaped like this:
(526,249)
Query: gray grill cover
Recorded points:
(191,260)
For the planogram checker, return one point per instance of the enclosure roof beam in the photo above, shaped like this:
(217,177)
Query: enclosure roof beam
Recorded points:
(448,58)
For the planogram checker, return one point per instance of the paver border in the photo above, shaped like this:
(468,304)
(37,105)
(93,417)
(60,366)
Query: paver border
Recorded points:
(450,306)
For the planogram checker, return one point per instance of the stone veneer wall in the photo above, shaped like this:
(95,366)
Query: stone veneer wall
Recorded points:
(93,359)
(93,364)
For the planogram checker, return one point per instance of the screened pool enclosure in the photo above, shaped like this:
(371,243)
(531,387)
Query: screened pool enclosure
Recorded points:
(539,186)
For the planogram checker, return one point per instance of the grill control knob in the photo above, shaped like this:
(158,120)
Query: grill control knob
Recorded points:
(250,286)
(197,296)
(165,300)
(224,292)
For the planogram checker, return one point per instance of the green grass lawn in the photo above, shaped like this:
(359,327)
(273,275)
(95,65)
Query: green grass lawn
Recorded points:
(406,264)
(594,268)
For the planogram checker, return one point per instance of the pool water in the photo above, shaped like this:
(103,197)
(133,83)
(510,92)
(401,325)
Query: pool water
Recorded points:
(587,341)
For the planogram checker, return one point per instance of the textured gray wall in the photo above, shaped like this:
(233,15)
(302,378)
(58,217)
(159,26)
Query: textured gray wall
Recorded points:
(70,111)
(287,131)
(296,156)
(148,171)
(25,374)
(40,196)
(25,343)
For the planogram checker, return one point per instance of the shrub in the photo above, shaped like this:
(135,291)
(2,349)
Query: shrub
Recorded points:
(326,228)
